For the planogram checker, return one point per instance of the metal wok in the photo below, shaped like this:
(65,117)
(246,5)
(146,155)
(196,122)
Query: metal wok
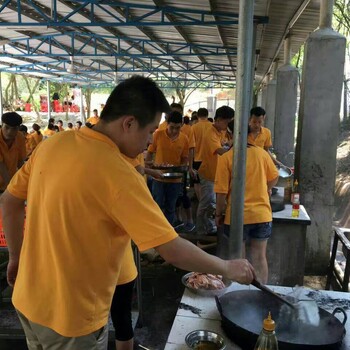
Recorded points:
(242,314)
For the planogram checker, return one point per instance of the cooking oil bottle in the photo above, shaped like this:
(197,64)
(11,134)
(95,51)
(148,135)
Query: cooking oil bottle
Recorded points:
(267,339)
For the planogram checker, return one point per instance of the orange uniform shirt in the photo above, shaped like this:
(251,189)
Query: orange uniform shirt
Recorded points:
(11,156)
(210,143)
(259,170)
(199,129)
(262,140)
(93,120)
(69,285)
(168,150)
(37,137)
(30,144)
(48,132)
(163,125)
(187,130)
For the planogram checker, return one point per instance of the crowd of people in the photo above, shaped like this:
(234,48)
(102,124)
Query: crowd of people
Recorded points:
(71,268)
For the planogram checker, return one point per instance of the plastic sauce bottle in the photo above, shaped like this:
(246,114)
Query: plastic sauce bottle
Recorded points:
(295,199)
(267,339)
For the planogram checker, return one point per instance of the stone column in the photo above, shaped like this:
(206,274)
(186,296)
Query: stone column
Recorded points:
(286,106)
(318,134)
(270,103)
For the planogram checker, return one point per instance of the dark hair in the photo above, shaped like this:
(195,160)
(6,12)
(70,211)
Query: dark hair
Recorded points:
(95,110)
(194,114)
(175,117)
(136,96)
(194,117)
(51,120)
(56,128)
(224,112)
(11,119)
(211,120)
(257,111)
(22,128)
(202,112)
(79,122)
(70,125)
(186,120)
(36,127)
(51,126)
(60,121)
(175,105)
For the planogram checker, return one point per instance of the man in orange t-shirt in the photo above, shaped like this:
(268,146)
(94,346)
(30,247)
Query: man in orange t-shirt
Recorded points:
(12,147)
(79,261)
(211,150)
(170,146)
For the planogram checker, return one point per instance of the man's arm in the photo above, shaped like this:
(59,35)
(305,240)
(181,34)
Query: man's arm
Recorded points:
(13,223)
(221,151)
(275,161)
(149,159)
(185,255)
(272,183)
(4,174)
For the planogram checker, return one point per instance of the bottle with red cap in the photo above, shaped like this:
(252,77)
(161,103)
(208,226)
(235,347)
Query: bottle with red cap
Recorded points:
(295,199)
(267,339)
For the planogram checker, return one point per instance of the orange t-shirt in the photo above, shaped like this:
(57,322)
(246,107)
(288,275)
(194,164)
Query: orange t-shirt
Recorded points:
(187,130)
(262,140)
(11,156)
(30,144)
(78,255)
(93,120)
(169,151)
(163,126)
(210,143)
(37,137)
(48,132)
(199,129)
(259,170)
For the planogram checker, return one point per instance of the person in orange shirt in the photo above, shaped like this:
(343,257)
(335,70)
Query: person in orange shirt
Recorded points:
(258,134)
(30,143)
(49,131)
(78,125)
(80,260)
(94,119)
(12,147)
(261,176)
(210,152)
(170,146)
(199,129)
(70,127)
(36,134)
(60,125)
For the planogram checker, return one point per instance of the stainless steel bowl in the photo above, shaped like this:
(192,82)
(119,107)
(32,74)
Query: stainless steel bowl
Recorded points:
(206,292)
(197,340)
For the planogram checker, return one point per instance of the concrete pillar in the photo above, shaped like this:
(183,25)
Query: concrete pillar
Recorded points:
(82,111)
(270,103)
(259,98)
(318,133)
(286,106)
(211,106)
(263,96)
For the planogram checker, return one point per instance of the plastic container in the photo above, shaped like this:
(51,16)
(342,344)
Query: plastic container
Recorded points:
(295,197)
(295,210)
(267,339)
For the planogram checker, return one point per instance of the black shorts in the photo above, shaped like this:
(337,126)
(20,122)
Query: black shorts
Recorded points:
(195,180)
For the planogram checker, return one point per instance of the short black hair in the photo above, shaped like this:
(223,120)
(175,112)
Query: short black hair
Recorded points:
(224,112)
(202,112)
(175,105)
(22,128)
(11,119)
(186,120)
(51,120)
(51,126)
(257,111)
(60,121)
(175,117)
(136,96)
(70,125)
(79,122)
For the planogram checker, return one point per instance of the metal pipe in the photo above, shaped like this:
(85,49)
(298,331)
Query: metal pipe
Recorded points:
(326,13)
(253,61)
(1,99)
(287,50)
(275,67)
(48,100)
(243,98)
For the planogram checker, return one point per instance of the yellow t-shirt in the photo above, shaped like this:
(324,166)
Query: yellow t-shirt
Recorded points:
(79,233)
(169,151)
(30,144)
(11,156)
(199,129)
(48,132)
(93,120)
(259,170)
(37,137)
(262,140)
(163,125)
(187,130)
(210,143)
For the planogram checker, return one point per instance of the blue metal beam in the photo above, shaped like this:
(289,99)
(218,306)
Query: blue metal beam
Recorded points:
(151,15)
(109,45)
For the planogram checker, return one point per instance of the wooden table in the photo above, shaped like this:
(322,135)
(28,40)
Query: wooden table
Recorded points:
(186,321)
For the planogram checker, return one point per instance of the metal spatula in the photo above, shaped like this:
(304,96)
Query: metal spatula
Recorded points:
(265,289)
